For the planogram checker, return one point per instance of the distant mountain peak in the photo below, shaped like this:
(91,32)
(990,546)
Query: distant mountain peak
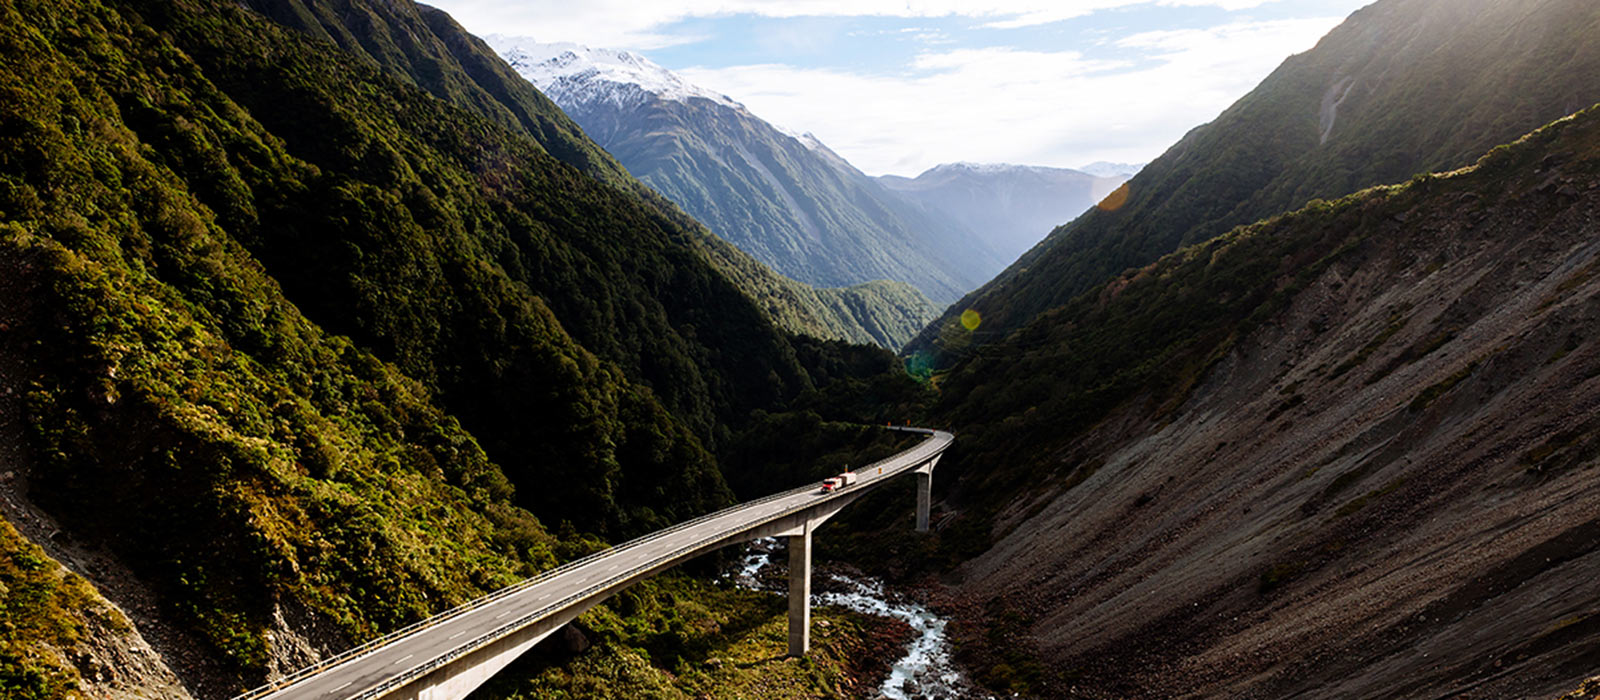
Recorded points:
(1105,169)
(568,72)
(574,74)
(1012,205)
(976,167)
(779,194)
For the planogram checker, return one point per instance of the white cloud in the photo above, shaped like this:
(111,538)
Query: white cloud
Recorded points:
(631,24)
(1005,105)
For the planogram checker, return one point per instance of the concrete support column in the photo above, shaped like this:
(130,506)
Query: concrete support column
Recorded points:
(800,593)
(924,498)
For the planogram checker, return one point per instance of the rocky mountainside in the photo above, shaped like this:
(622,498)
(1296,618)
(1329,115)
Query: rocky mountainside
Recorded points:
(1344,452)
(784,198)
(1401,87)
(1011,206)
(295,350)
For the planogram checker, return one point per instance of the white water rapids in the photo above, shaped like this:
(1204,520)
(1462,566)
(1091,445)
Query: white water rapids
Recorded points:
(926,670)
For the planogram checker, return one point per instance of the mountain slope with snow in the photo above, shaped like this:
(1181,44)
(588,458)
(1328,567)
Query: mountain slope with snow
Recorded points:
(568,72)
(785,199)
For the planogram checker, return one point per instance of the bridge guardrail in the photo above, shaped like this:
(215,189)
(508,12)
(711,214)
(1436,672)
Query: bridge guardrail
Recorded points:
(505,630)
(542,577)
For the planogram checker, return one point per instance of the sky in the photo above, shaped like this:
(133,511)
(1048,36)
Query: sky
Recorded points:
(899,86)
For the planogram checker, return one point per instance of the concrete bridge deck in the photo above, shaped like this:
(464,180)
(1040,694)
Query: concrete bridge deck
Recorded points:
(448,655)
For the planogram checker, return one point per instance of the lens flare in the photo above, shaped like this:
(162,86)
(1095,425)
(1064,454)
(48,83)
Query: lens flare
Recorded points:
(970,319)
(1115,200)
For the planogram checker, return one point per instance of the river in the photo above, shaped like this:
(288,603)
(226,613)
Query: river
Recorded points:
(926,670)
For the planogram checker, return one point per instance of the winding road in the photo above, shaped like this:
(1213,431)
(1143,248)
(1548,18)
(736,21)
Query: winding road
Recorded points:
(547,601)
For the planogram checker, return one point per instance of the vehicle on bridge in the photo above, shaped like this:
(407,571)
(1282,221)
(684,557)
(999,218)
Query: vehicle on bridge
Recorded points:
(831,484)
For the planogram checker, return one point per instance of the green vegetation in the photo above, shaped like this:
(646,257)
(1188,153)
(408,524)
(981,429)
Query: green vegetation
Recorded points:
(1362,501)
(422,46)
(41,611)
(677,637)
(304,336)
(1425,87)
(1277,575)
(1431,394)
(885,313)
(1017,670)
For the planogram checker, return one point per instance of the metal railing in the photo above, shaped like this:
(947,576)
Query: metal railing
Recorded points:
(543,577)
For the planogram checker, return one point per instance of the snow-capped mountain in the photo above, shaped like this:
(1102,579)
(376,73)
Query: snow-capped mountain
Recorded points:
(575,73)
(780,195)
(1012,206)
(1125,171)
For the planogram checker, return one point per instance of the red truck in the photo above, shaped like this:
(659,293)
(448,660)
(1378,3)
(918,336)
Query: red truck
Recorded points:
(831,484)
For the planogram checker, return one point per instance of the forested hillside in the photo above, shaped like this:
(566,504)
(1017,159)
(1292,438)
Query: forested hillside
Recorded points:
(1402,87)
(299,350)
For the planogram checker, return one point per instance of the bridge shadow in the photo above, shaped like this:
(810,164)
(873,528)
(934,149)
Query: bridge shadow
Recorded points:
(751,610)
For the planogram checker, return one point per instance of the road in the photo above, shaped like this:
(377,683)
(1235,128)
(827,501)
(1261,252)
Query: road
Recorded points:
(431,642)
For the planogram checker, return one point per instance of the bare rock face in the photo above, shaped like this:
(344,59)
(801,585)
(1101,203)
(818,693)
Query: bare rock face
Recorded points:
(1383,489)
(300,638)
(114,661)
(573,640)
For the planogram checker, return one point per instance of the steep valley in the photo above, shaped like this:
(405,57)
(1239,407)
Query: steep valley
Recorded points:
(316,319)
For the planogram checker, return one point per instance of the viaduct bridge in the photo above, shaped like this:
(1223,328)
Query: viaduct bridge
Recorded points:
(448,655)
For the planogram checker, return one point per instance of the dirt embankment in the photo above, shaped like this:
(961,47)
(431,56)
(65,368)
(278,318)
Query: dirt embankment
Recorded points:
(114,659)
(1387,491)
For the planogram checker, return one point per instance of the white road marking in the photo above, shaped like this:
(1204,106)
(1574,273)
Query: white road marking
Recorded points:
(342,687)
(453,636)
(508,612)
(397,663)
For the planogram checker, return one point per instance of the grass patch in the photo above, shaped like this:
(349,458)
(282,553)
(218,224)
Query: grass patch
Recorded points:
(1361,502)
(1577,279)
(677,637)
(1415,352)
(1572,343)
(41,608)
(1432,393)
(1397,321)
(1277,575)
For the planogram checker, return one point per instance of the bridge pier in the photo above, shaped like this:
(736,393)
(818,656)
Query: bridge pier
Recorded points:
(800,593)
(426,662)
(925,493)
(924,499)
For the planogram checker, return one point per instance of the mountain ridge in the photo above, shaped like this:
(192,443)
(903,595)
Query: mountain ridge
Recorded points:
(1012,206)
(1437,83)
(788,200)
